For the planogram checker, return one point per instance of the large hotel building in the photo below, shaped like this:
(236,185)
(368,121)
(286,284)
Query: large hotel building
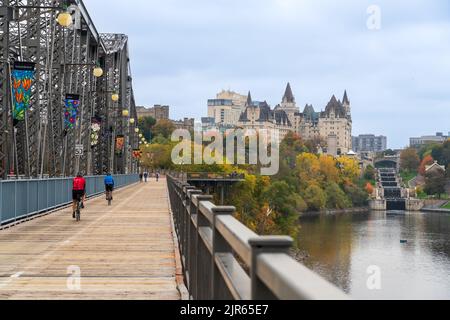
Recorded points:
(333,125)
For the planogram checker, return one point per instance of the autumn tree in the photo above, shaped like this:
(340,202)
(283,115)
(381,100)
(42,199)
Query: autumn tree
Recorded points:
(156,156)
(428,160)
(349,169)
(308,169)
(410,160)
(369,188)
(328,169)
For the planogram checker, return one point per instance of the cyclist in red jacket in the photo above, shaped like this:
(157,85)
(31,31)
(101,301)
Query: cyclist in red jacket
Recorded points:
(78,192)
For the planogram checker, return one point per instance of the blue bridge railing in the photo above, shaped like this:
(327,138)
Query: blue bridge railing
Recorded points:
(21,199)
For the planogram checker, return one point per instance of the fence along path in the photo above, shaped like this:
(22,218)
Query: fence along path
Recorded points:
(125,251)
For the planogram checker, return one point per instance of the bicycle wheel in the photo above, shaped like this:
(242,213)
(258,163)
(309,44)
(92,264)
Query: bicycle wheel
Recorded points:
(78,213)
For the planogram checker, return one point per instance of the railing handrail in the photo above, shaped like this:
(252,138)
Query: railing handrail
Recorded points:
(214,176)
(21,199)
(223,259)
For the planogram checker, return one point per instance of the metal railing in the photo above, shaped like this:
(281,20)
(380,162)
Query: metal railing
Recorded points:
(214,176)
(224,260)
(21,199)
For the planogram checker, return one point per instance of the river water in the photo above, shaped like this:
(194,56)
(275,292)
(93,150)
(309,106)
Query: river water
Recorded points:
(361,251)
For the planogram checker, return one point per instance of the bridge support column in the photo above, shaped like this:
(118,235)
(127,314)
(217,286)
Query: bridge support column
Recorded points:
(261,245)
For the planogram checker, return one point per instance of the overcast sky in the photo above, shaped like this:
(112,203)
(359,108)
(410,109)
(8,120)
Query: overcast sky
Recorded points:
(397,77)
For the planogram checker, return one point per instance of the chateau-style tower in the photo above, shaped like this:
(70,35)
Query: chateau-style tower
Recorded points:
(288,105)
(346,104)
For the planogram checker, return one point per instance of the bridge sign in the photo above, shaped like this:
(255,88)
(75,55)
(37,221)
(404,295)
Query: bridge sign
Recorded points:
(79,150)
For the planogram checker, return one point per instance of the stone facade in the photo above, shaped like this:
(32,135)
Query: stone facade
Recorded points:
(185,124)
(158,112)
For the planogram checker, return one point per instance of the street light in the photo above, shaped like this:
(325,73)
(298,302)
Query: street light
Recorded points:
(98,72)
(115,98)
(136,130)
(132,121)
(65,19)
(125,113)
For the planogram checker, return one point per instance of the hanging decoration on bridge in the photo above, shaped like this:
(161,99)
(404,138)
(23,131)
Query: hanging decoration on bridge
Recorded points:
(71,106)
(120,142)
(137,154)
(22,80)
(95,130)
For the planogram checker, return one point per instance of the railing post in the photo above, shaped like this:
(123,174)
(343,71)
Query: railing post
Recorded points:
(260,245)
(201,222)
(218,245)
(194,249)
(189,234)
(184,214)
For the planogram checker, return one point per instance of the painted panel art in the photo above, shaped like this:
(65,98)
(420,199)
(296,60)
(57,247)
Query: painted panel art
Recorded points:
(71,108)
(22,81)
(120,142)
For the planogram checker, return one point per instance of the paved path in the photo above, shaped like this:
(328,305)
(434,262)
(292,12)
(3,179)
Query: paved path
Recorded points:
(125,251)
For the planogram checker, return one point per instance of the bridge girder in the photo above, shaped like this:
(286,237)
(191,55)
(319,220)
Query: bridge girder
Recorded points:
(65,58)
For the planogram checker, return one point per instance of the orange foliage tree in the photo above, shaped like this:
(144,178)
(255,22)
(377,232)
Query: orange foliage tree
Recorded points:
(428,160)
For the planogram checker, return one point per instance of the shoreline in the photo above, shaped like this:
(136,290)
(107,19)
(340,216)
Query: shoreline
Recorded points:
(434,210)
(337,211)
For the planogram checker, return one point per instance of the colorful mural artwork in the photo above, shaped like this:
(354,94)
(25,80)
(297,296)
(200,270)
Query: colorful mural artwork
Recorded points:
(22,81)
(120,142)
(71,106)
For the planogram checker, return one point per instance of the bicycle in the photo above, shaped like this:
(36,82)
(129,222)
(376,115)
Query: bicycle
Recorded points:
(109,197)
(78,211)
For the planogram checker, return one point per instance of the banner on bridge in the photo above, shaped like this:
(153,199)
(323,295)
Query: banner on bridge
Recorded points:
(22,80)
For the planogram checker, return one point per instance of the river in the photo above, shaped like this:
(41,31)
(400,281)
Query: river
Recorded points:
(342,248)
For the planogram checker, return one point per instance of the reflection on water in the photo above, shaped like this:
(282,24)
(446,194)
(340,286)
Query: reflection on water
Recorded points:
(342,247)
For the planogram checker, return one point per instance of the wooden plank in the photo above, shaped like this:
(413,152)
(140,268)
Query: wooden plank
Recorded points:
(125,251)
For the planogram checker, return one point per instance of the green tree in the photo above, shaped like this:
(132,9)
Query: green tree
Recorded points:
(336,198)
(441,153)
(410,160)
(145,125)
(315,198)
(435,183)
(283,199)
(369,173)
(164,128)
(358,196)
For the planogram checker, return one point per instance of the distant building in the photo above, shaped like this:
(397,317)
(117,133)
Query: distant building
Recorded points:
(186,124)
(226,108)
(158,112)
(369,143)
(334,125)
(438,138)
(258,116)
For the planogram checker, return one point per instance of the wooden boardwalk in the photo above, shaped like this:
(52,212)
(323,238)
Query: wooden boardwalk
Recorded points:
(125,251)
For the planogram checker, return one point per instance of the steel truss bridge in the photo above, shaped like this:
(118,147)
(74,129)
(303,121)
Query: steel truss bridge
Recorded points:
(64,58)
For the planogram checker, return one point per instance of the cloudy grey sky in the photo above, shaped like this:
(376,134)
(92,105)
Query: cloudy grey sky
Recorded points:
(185,51)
